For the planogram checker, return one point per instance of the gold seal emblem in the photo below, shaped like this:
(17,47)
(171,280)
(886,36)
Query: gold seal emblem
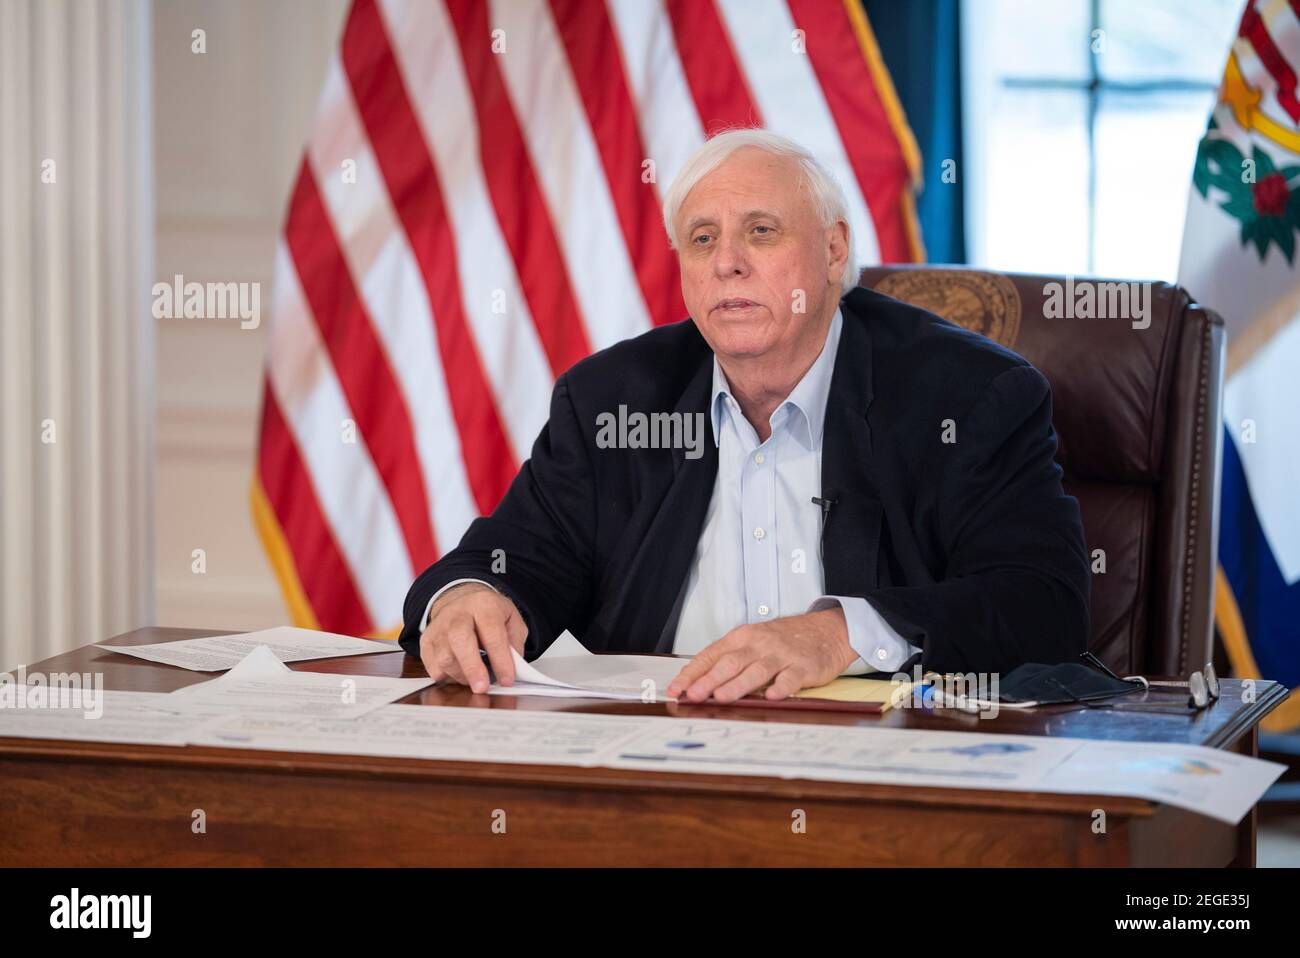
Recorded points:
(986,303)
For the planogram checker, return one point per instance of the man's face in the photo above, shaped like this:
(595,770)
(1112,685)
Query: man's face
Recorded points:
(758,268)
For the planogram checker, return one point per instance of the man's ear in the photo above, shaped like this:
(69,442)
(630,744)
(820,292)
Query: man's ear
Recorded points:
(837,251)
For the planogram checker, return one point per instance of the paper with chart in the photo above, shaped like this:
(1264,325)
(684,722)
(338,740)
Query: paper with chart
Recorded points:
(262,683)
(1218,784)
(1207,780)
(568,669)
(134,718)
(435,732)
(217,653)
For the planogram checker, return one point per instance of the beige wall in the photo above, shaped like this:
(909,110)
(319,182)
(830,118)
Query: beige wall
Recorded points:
(229,127)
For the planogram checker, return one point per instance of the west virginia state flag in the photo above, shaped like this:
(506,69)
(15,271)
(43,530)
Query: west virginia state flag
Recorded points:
(1239,258)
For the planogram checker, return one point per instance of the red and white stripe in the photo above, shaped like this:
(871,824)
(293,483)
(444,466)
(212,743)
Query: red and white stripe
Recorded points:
(472,216)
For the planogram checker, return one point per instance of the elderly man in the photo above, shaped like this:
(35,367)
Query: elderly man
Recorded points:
(874,487)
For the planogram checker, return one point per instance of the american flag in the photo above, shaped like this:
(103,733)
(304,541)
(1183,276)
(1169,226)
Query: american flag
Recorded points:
(478,208)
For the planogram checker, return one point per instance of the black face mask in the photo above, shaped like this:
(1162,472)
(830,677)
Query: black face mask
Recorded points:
(1066,682)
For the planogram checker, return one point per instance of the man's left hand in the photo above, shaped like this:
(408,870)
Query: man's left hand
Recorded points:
(793,653)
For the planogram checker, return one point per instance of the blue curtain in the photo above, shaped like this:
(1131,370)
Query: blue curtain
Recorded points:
(920,41)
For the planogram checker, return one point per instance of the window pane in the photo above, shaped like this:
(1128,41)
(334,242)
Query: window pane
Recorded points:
(1146,146)
(1167,39)
(1037,182)
(1031,38)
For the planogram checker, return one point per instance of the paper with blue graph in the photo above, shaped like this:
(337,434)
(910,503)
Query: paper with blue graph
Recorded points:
(1218,784)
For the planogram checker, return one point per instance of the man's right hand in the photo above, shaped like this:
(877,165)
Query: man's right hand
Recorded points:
(467,618)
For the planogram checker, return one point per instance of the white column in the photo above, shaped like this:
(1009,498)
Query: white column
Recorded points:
(76,332)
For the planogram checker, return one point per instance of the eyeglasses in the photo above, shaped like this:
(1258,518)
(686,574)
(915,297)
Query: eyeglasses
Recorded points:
(1203,688)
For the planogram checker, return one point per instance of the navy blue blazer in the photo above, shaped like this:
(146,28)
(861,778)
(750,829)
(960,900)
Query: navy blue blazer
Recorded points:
(969,549)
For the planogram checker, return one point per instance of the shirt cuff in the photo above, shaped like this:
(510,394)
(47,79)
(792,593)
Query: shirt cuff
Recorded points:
(424,620)
(879,648)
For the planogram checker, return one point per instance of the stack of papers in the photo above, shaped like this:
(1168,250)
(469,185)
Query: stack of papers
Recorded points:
(217,653)
(1222,785)
(568,669)
(133,718)
(262,683)
(257,685)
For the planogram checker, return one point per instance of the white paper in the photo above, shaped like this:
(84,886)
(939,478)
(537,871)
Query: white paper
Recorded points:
(1221,785)
(546,691)
(262,683)
(217,653)
(568,669)
(261,663)
(136,718)
(435,732)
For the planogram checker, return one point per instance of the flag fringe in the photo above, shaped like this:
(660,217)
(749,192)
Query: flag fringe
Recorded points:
(885,87)
(1227,617)
(281,559)
(286,572)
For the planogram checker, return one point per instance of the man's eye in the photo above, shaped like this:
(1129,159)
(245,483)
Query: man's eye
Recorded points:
(701,239)
(763,229)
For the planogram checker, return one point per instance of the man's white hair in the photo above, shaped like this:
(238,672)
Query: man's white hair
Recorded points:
(826,194)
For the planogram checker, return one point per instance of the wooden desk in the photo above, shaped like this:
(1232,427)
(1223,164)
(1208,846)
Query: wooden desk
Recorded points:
(74,803)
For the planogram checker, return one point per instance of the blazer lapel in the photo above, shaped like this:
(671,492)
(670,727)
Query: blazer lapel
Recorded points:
(851,533)
(657,573)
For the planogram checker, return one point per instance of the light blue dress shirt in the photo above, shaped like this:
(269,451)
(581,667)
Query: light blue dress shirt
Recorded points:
(759,554)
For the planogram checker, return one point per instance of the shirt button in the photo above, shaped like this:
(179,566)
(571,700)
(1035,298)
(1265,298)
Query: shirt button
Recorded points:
(759,533)
(758,458)
(881,654)
(763,610)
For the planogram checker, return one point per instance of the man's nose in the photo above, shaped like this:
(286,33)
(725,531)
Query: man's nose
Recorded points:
(730,259)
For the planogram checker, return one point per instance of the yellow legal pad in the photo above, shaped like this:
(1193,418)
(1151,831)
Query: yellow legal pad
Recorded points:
(849,689)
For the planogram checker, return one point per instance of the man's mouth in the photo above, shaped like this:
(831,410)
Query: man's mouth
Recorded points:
(735,305)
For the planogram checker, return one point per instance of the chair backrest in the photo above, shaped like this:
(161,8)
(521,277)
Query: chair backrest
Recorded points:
(1137,397)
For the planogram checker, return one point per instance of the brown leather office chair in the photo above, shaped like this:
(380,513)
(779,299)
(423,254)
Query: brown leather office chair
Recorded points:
(1137,415)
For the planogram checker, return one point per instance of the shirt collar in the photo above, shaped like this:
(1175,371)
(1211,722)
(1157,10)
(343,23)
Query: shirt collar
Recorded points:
(807,401)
